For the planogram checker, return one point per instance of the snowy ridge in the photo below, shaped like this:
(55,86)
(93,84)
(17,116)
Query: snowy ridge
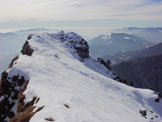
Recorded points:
(75,88)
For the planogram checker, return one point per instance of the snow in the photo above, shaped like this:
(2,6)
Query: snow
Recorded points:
(106,37)
(59,78)
(126,38)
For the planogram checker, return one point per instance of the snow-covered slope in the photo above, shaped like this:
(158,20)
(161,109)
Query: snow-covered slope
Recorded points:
(11,43)
(75,88)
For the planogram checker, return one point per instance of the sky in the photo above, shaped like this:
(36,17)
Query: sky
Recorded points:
(79,14)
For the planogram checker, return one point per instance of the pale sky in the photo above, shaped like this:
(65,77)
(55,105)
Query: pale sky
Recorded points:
(15,14)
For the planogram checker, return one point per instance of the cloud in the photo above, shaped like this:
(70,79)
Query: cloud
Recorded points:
(76,10)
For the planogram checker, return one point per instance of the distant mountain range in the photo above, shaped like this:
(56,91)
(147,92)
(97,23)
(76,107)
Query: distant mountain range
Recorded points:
(144,72)
(152,34)
(115,46)
(144,68)
(150,51)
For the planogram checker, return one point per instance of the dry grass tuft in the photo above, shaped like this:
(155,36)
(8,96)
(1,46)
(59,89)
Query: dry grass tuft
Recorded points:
(25,111)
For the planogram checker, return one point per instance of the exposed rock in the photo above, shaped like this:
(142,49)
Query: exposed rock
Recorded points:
(83,48)
(9,94)
(13,61)
(27,50)
(25,111)
(30,36)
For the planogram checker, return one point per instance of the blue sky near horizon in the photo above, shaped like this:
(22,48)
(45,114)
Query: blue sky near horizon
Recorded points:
(94,14)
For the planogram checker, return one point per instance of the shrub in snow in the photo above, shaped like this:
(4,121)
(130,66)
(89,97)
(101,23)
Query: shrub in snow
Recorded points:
(106,64)
(143,113)
(125,81)
(131,84)
(158,98)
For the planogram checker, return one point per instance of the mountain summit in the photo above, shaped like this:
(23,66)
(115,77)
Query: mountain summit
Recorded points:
(57,74)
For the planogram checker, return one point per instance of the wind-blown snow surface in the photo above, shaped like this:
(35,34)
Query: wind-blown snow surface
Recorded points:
(58,77)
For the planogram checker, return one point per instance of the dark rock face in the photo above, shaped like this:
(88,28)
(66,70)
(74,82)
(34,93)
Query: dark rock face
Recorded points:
(83,48)
(30,36)
(27,50)
(9,94)
(75,41)
(143,72)
(13,61)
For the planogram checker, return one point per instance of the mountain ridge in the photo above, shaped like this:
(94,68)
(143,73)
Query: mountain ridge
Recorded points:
(153,34)
(80,88)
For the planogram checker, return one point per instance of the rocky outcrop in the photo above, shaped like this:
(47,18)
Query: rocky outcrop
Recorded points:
(25,111)
(12,106)
(11,86)
(27,50)
(77,42)
(83,48)
(13,61)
